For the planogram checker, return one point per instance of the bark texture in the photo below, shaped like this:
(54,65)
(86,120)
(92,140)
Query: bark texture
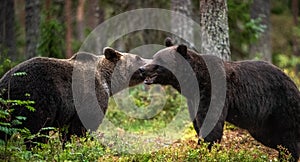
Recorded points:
(32,22)
(214,26)
(80,21)
(68,18)
(7,29)
(180,26)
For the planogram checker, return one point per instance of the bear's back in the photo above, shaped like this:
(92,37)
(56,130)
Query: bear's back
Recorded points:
(272,97)
(43,69)
(37,72)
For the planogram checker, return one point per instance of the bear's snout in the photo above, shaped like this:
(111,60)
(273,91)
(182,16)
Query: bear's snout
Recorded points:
(148,70)
(149,73)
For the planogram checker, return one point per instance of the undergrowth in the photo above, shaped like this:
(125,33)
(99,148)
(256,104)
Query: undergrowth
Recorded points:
(184,148)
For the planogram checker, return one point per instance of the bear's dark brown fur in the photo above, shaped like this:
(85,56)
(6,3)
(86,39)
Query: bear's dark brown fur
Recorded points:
(49,82)
(259,96)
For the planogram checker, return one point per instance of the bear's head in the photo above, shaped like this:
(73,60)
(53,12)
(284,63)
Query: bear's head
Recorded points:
(124,68)
(168,65)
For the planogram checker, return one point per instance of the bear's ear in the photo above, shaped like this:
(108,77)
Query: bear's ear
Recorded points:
(168,42)
(182,50)
(111,54)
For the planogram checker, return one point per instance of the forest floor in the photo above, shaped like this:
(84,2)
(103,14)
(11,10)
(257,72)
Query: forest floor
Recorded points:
(235,142)
(238,139)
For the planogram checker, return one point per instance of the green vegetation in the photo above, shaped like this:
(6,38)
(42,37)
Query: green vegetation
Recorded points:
(5,64)
(237,145)
(114,142)
(52,40)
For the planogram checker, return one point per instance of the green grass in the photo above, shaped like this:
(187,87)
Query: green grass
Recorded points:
(85,149)
(166,136)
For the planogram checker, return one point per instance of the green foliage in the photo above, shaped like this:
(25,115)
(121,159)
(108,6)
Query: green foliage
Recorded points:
(243,30)
(26,104)
(163,109)
(19,74)
(52,39)
(13,147)
(290,65)
(5,64)
(254,28)
(285,61)
(280,7)
(188,150)
(90,148)
(9,123)
(78,149)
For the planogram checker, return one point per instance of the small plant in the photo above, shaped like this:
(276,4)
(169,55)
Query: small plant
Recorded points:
(9,124)
(284,154)
(5,65)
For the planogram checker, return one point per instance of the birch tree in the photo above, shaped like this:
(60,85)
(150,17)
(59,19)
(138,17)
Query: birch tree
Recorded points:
(179,25)
(214,28)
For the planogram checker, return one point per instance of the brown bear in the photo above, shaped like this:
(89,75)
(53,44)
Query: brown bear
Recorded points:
(259,97)
(63,89)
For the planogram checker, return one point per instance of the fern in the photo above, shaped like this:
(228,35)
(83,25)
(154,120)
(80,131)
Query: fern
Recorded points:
(19,74)
(3,114)
(9,123)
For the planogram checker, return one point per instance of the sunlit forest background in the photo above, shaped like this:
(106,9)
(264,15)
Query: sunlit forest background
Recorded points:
(267,30)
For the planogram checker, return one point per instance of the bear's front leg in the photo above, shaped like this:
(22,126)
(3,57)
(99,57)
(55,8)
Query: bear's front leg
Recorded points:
(215,131)
(192,113)
(215,135)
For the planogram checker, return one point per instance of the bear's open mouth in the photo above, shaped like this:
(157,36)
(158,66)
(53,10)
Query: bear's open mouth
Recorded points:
(150,79)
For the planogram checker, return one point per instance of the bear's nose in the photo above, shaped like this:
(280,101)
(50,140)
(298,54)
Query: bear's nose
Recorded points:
(142,71)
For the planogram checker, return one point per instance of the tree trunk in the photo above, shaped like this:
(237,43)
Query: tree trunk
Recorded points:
(181,26)
(262,48)
(68,19)
(7,29)
(32,23)
(295,10)
(94,14)
(296,48)
(214,28)
(80,22)
(47,9)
